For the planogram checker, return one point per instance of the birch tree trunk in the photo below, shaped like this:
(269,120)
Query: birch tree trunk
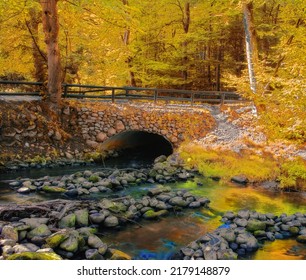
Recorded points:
(51,29)
(126,41)
(250,42)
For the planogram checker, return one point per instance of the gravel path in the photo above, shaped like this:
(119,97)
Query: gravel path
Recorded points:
(238,129)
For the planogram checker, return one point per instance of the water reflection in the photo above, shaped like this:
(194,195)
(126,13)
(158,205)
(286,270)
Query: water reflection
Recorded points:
(281,250)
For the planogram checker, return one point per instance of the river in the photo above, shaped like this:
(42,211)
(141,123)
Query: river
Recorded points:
(160,239)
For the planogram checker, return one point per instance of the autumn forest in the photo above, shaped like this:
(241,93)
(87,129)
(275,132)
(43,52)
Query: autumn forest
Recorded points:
(141,130)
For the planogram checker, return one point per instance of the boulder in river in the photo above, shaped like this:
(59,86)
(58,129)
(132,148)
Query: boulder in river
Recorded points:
(71,244)
(81,217)
(40,231)
(255,225)
(34,256)
(240,179)
(93,254)
(9,232)
(67,221)
(34,222)
(178,201)
(97,218)
(111,221)
(301,239)
(57,238)
(94,241)
(24,190)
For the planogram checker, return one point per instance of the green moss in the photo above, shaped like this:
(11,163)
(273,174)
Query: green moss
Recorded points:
(97,156)
(82,217)
(255,225)
(51,189)
(151,214)
(94,178)
(41,230)
(68,221)
(34,256)
(56,239)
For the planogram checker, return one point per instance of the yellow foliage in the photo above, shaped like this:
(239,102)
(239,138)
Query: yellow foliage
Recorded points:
(290,173)
(293,174)
(228,164)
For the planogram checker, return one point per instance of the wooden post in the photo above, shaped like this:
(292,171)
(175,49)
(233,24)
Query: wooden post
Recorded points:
(113,95)
(222,98)
(155,96)
(192,99)
(65,90)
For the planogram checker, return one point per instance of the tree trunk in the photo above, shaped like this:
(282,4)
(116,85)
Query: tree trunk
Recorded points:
(51,29)
(39,57)
(186,24)
(251,42)
(218,69)
(126,42)
(209,67)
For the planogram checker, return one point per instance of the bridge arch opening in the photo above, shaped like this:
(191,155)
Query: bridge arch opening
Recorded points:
(136,145)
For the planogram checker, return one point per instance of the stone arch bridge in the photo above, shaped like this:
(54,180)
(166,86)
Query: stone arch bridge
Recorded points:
(118,125)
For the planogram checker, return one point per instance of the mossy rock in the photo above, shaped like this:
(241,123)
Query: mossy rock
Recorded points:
(158,190)
(152,173)
(50,189)
(301,239)
(34,256)
(294,230)
(40,231)
(68,221)
(114,254)
(228,235)
(34,222)
(9,232)
(94,179)
(229,255)
(57,238)
(259,233)
(71,244)
(82,217)
(117,207)
(87,231)
(151,214)
(255,225)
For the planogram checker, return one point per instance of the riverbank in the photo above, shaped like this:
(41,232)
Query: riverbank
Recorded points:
(239,149)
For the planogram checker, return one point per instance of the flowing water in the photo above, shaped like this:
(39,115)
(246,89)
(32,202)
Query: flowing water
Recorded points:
(160,239)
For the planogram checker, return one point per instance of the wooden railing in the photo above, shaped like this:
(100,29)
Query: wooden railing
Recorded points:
(122,94)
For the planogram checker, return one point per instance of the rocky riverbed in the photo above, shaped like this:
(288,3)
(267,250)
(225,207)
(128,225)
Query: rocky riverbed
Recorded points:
(63,229)
(106,180)
(243,233)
